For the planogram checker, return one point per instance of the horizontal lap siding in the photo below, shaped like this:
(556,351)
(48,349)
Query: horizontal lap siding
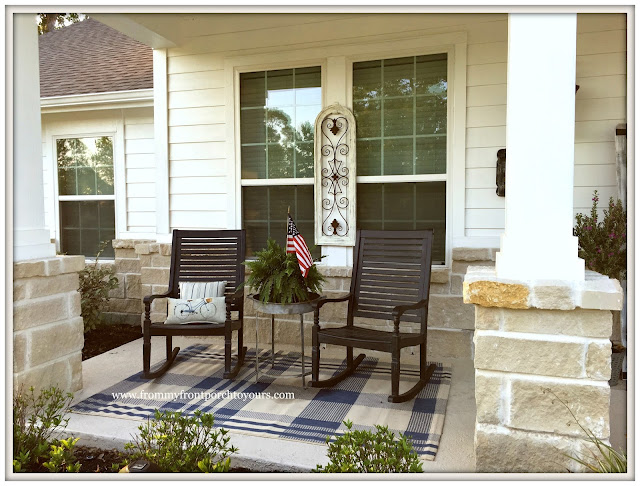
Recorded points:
(197,96)
(600,106)
(140,170)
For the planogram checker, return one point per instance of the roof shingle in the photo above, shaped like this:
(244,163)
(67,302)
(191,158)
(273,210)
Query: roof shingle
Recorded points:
(90,57)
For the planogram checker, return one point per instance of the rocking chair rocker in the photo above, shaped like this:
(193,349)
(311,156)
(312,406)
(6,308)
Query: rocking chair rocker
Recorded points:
(391,274)
(201,256)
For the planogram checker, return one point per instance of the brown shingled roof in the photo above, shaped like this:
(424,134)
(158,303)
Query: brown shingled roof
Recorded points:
(90,57)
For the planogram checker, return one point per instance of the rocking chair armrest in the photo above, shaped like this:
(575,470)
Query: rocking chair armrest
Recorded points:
(234,298)
(150,298)
(325,300)
(401,309)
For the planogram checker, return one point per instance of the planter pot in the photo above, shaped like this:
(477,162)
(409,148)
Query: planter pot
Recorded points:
(276,308)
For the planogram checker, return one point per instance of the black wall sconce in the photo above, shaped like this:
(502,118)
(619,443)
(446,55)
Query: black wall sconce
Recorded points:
(501,166)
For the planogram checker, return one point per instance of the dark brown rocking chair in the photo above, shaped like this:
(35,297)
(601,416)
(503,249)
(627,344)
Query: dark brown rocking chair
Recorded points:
(202,256)
(391,274)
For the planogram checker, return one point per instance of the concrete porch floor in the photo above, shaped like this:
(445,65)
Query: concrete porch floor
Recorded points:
(455,454)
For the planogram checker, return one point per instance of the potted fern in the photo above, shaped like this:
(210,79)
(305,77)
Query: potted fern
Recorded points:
(276,278)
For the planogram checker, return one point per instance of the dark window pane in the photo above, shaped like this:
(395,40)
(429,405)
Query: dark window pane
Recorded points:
(84,225)
(67,182)
(254,159)
(264,214)
(280,161)
(405,206)
(368,115)
(367,80)
(105,180)
(280,88)
(85,166)
(398,156)
(252,89)
(252,126)
(398,117)
(369,157)
(431,155)
(398,76)
(304,159)
(431,74)
(431,115)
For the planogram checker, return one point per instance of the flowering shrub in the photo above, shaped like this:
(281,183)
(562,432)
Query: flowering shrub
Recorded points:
(603,244)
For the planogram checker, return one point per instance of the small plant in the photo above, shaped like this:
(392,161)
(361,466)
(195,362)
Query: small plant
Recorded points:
(276,276)
(178,443)
(35,420)
(603,244)
(95,283)
(366,451)
(602,459)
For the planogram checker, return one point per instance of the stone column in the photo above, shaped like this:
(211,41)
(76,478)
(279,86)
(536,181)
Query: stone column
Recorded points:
(538,241)
(31,238)
(538,344)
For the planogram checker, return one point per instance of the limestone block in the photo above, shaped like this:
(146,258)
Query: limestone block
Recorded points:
(533,407)
(125,253)
(456,284)
(57,373)
(598,365)
(146,289)
(133,286)
(327,271)
(496,294)
(145,260)
(450,312)
(127,306)
(53,266)
(442,344)
(34,312)
(538,357)
(118,292)
(127,265)
(165,249)
(160,261)
(71,263)
(439,288)
(462,267)
(159,305)
(470,254)
(333,283)
(488,392)
(488,317)
(160,288)
(439,275)
(19,351)
(128,243)
(557,295)
(154,275)
(142,249)
(75,304)
(75,369)
(28,268)
(577,322)
(51,342)
(20,289)
(600,292)
(499,449)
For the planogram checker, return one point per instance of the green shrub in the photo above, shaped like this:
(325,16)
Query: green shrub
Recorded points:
(366,451)
(603,244)
(95,283)
(178,443)
(35,420)
(276,276)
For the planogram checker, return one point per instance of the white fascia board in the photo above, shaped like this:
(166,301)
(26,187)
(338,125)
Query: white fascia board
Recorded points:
(133,29)
(98,101)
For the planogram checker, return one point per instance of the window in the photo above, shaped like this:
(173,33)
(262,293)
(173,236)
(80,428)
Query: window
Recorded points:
(86,195)
(277,115)
(400,107)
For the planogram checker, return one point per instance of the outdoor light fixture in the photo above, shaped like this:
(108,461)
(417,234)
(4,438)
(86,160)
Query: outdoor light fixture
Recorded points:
(501,165)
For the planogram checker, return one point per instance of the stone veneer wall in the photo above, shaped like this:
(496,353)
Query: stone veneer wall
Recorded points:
(538,344)
(450,321)
(48,333)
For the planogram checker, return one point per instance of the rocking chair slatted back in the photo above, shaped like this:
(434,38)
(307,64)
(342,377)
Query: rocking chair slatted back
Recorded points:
(392,268)
(207,256)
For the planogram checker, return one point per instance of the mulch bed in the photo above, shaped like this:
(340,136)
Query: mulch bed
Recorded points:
(107,337)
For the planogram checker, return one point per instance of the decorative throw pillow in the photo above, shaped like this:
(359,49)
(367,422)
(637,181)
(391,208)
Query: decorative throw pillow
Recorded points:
(200,290)
(185,311)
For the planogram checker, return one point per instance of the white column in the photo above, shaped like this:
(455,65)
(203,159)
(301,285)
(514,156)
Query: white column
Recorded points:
(538,242)
(31,238)
(161,135)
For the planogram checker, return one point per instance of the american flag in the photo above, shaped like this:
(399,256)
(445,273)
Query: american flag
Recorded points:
(297,245)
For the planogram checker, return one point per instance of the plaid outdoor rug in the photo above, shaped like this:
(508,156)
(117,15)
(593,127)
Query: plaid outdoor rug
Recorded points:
(195,382)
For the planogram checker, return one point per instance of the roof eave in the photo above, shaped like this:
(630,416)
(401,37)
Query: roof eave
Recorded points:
(98,101)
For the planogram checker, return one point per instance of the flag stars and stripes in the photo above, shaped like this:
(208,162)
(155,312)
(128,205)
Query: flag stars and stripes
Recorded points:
(297,245)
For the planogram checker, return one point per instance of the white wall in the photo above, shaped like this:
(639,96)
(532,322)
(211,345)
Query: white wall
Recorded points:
(133,159)
(198,94)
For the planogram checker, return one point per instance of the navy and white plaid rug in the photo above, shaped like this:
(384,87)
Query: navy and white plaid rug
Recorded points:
(278,406)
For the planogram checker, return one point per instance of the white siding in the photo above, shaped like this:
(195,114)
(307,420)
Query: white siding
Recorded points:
(140,170)
(138,193)
(198,153)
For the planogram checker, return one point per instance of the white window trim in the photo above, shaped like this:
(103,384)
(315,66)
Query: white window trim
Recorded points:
(337,87)
(119,184)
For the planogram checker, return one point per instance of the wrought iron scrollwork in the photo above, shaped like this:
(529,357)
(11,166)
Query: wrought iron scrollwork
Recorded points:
(335,177)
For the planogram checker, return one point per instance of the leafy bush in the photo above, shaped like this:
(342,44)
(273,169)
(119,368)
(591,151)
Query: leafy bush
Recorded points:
(366,451)
(35,420)
(95,283)
(602,459)
(276,276)
(178,443)
(603,244)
